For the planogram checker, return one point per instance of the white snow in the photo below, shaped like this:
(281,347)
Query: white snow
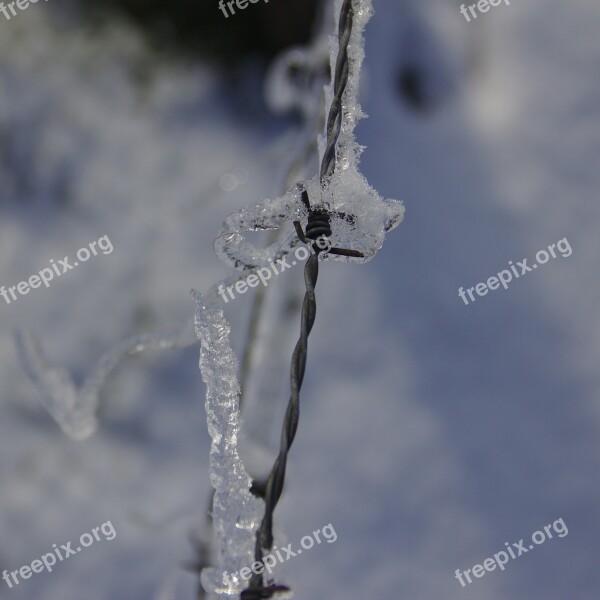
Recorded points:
(360,217)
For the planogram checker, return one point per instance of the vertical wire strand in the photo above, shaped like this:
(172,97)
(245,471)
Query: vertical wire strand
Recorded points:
(256,589)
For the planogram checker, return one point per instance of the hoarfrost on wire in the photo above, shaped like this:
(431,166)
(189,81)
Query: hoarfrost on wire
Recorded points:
(360,218)
(75,409)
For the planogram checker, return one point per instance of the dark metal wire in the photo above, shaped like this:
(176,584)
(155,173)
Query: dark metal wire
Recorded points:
(342,68)
(307,149)
(319,225)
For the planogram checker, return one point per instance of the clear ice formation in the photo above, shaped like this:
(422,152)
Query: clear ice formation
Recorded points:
(360,217)
(236,512)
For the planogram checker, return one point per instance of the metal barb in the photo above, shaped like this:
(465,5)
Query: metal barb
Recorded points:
(263,592)
(318,225)
(317,228)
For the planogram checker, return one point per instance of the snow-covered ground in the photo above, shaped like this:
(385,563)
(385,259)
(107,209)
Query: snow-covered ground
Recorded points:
(431,432)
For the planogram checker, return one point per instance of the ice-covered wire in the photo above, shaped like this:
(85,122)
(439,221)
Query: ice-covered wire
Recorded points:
(342,69)
(318,225)
(75,409)
(305,96)
(343,208)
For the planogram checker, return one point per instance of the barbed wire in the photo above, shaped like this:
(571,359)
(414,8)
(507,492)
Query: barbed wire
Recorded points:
(318,226)
(303,153)
(342,68)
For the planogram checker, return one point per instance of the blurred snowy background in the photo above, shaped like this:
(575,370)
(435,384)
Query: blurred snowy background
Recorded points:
(431,432)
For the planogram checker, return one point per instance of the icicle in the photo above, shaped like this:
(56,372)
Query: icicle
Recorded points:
(236,512)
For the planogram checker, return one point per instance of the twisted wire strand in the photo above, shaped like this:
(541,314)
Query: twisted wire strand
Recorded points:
(342,69)
(276,479)
(318,225)
(304,152)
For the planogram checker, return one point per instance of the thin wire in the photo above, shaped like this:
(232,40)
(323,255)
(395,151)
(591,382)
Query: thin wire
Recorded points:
(342,68)
(296,167)
(276,479)
(304,150)
(318,224)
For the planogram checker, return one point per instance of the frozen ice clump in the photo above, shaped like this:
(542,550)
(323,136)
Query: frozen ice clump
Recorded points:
(281,88)
(292,77)
(360,218)
(236,512)
(235,250)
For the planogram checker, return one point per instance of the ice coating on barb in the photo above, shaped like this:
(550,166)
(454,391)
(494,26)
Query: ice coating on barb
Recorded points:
(360,217)
(236,512)
(75,409)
